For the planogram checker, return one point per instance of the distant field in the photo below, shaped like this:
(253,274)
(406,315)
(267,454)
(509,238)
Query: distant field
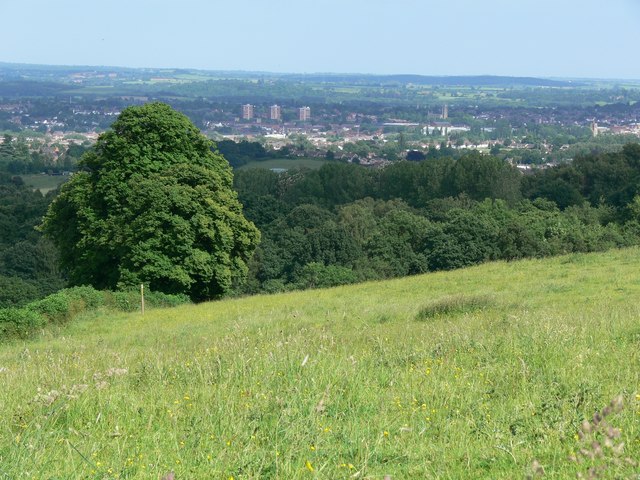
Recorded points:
(93,89)
(287,163)
(346,89)
(469,374)
(44,183)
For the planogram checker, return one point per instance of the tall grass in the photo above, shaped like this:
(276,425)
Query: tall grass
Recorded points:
(474,373)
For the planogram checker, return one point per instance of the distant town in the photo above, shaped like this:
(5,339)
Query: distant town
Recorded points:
(363,119)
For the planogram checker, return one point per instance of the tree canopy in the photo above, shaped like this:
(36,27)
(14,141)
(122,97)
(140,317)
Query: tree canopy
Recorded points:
(153,204)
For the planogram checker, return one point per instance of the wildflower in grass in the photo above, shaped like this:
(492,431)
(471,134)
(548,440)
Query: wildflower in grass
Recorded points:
(309,466)
(116,372)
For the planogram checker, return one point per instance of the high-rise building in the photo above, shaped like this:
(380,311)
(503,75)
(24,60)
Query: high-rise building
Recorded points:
(305,114)
(276,112)
(247,112)
(445,111)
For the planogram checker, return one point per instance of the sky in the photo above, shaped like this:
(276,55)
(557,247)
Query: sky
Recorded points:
(540,38)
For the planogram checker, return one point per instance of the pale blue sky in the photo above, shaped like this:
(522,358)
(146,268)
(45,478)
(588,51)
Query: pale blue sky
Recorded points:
(547,38)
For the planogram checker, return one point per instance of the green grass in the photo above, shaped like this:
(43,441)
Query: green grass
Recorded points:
(44,183)
(287,163)
(473,373)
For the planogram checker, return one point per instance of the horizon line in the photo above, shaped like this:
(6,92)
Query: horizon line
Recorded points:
(328,73)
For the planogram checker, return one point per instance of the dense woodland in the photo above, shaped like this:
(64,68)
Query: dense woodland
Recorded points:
(345,223)
(28,262)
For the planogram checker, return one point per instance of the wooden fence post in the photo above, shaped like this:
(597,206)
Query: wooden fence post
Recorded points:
(142,298)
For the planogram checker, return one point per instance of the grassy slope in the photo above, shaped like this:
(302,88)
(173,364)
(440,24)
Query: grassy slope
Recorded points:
(329,383)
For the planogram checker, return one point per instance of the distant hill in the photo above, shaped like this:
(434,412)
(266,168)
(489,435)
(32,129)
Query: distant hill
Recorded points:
(480,80)
(51,72)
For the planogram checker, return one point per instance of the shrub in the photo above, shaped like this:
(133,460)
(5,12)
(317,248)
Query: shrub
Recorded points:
(129,300)
(62,306)
(56,308)
(89,296)
(164,300)
(19,322)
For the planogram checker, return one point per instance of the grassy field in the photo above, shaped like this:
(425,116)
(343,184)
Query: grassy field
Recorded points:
(44,183)
(475,373)
(287,163)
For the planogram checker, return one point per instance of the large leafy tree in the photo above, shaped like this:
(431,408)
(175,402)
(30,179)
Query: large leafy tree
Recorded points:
(153,204)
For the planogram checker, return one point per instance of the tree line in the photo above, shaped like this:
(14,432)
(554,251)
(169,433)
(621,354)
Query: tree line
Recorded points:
(344,223)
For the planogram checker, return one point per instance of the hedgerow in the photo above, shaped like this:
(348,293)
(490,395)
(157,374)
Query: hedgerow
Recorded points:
(63,306)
